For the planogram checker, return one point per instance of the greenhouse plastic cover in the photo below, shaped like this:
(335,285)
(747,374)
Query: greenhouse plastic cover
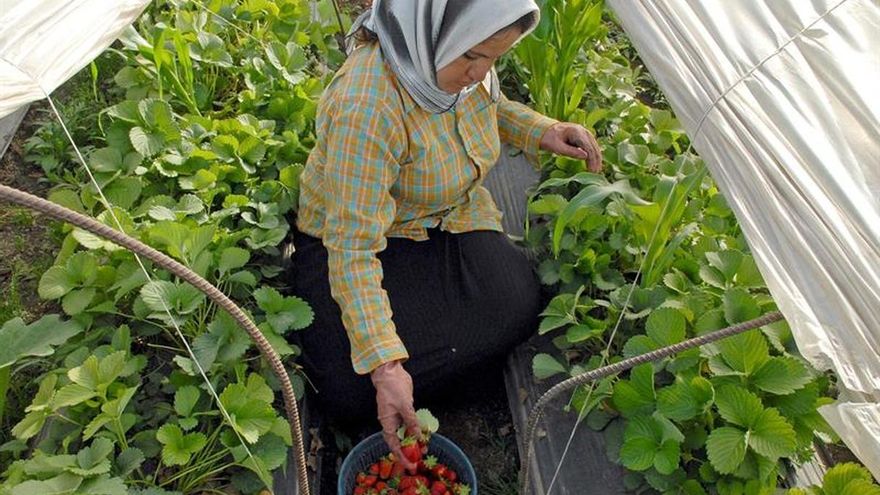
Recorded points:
(43,43)
(782,101)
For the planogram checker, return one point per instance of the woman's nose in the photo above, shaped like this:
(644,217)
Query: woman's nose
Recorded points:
(477,71)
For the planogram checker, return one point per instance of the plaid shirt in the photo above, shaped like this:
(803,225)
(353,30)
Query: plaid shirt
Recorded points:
(384,167)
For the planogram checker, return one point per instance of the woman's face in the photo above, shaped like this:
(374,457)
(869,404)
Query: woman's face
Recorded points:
(473,66)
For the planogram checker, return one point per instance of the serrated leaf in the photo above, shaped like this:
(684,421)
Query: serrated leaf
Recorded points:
(781,376)
(635,396)
(667,457)
(249,407)
(71,395)
(185,399)
(283,313)
(772,436)
(76,301)
(839,476)
(726,449)
(427,421)
(666,326)
(738,406)
(727,262)
(127,461)
(104,485)
(37,339)
(232,258)
(545,366)
(637,454)
(55,283)
(746,352)
(739,306)
(92,455)
(62,484)
(177,447)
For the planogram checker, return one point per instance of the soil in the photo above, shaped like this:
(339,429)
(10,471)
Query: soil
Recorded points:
(27,241)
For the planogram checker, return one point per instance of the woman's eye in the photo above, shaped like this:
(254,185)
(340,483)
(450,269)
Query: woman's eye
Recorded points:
(468,56)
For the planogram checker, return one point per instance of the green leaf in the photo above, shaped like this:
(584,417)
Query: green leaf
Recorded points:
(738,406)
(104,485)
(637,454)
(635,397)
(745,352)
(726,448)
(55,283)
(76,301)
(92,460)
(106,160)
(739,306)
(685,399)
(59,485)
(225,341)
(667,457)
(124,191)
(145,142)
(71,395)
(781,376)
(185,400)
(545,366)
(841,475)
(37,339)
(249,407)
(666,326)
(232,258)
(177,448)
(127,461)
(727,262)
(283,313)
(427,421)
(772,436)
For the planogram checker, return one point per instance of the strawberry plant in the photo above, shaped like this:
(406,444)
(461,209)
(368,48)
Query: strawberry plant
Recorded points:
(647,256)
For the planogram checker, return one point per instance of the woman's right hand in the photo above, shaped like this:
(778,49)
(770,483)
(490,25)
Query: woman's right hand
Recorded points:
(394,404)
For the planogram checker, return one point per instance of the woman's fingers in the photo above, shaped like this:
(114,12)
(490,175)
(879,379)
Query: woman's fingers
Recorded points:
(574,141)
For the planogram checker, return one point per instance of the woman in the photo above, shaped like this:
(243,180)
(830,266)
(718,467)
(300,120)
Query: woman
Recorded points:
(399,248)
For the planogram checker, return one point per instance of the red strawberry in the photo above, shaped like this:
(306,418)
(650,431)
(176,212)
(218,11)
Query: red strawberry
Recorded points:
(359,490)
(385,466)
(370,480)
(438,487)
(411,450)
(439,471)
(406,482)
(450,475)
(374,468)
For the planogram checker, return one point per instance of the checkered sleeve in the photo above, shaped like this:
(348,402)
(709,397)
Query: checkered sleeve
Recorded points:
(361,166)
(522,127)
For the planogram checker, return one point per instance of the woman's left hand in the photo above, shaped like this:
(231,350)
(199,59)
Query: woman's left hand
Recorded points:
(574,141)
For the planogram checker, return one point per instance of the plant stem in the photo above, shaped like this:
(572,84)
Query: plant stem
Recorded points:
(5,373)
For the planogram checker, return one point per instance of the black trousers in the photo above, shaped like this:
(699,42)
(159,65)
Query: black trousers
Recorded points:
(460,303)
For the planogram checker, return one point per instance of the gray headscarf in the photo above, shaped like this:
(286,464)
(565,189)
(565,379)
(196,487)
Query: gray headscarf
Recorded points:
(418,37)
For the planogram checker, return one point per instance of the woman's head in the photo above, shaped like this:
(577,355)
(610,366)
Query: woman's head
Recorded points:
(434,46)
(472,66)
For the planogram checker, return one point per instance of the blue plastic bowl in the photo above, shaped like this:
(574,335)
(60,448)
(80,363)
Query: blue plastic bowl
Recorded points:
(373,447)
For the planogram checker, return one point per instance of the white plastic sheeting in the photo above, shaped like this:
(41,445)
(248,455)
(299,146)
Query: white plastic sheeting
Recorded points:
(782,100)
(43,43)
